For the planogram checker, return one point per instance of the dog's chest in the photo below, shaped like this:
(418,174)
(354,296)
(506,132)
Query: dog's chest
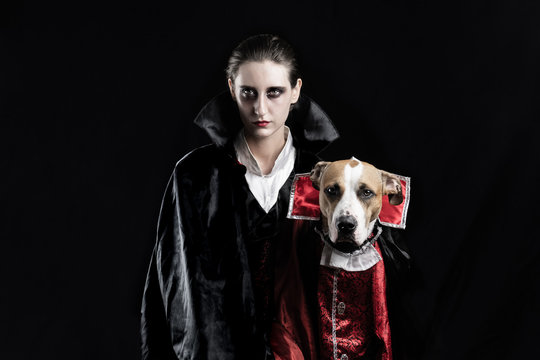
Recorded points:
(354,314)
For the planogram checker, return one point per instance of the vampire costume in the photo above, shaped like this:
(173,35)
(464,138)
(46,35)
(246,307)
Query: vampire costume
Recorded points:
(352,287)
(227,279)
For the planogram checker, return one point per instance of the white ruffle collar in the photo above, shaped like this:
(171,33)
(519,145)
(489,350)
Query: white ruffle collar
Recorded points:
(360,260)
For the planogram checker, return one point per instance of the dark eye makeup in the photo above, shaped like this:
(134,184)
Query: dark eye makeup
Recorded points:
(250,93)
(274,92)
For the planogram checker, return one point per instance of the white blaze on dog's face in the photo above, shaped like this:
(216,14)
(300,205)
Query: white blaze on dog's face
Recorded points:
(351,197)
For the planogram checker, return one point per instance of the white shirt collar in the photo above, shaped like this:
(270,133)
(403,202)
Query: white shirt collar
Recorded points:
(246,158)
(266,188)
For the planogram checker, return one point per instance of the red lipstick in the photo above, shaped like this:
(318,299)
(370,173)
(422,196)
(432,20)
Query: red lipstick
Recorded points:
(262,123)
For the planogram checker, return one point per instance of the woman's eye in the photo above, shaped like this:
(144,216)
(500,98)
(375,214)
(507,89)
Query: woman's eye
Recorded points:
(274,93)
(248,93)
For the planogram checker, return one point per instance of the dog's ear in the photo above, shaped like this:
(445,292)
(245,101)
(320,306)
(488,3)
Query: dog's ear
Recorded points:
(316,173)
(392,187)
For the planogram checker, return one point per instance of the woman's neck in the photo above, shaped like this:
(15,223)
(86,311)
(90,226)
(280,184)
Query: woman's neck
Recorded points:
(266,150)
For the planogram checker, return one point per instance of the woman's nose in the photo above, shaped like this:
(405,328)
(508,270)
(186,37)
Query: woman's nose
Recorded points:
(261,107)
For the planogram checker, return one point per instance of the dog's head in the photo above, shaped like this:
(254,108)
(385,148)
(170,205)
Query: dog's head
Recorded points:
(350,197)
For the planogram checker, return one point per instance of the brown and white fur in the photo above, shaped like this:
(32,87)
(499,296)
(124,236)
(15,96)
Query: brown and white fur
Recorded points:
(350,197)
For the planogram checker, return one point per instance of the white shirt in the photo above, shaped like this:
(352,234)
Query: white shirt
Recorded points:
(265,188)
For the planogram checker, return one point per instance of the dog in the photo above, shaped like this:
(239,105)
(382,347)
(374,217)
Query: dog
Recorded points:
(352,282)
(351,197)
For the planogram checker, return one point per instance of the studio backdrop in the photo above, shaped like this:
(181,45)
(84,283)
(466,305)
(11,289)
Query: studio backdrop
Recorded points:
(97,103)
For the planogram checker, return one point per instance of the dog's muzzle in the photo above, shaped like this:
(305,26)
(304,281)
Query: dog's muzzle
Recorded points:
(346,224)
(350,247)
(345,240)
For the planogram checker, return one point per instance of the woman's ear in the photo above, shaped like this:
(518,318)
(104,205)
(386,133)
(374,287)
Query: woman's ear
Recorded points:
(296,91)
(231,88)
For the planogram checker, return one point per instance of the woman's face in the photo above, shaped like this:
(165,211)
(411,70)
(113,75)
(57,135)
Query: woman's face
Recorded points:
(264,96)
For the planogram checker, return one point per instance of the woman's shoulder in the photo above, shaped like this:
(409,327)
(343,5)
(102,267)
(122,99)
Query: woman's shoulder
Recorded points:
(202,161)
(198,155)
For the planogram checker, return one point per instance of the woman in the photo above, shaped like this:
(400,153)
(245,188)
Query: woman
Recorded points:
(231,277)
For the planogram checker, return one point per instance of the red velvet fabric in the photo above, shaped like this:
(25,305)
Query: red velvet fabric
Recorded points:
(357,312)
(306,198)
(293,334)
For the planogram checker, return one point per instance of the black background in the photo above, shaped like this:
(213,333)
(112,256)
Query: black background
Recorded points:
(97,105)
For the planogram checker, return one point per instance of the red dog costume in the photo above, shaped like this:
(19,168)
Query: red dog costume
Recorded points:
(354,316)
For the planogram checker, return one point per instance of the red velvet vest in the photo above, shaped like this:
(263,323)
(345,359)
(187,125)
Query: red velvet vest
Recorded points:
(354,314)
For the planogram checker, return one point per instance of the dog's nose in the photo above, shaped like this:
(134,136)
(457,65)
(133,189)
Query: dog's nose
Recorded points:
(346,224)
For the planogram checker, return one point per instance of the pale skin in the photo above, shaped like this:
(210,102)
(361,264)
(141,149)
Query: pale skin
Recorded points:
(264,96)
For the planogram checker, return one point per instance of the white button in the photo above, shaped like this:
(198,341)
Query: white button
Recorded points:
(341,308)
(344,357)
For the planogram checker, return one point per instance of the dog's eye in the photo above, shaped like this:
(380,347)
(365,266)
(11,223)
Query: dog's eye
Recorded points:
(331,190)
(366,193)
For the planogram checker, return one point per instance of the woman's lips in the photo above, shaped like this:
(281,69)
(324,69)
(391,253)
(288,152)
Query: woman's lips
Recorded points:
(261,123)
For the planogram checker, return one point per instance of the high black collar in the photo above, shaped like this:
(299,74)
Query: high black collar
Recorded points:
(311,128)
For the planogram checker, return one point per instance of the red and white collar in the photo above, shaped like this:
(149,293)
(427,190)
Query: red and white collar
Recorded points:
(304,202)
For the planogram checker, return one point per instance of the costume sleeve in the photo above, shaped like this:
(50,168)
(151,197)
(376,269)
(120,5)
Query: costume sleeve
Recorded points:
(168,287)
(155,333)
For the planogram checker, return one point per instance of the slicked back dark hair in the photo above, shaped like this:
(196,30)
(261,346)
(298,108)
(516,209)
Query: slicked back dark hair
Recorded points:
(262,47)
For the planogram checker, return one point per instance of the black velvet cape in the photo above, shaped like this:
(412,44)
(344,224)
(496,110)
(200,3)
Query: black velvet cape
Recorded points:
(199,300)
